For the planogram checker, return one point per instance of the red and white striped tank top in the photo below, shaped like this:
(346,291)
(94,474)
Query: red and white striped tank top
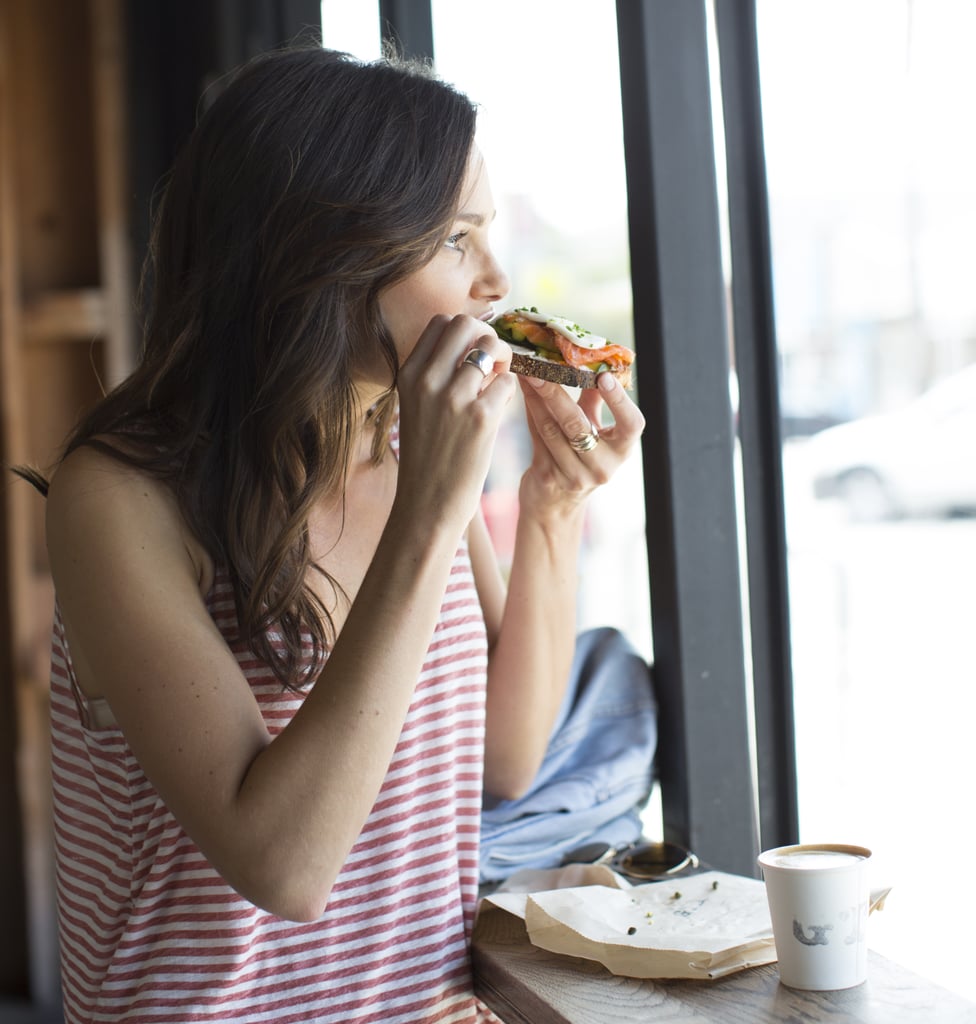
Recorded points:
(151,933)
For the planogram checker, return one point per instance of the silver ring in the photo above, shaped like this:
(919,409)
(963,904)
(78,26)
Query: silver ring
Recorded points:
(584,442)
(480,360)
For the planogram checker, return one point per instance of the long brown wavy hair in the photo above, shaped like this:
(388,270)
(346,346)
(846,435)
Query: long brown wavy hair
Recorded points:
(311,183)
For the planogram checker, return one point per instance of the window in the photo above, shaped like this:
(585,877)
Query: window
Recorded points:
(871,167)
(351,26)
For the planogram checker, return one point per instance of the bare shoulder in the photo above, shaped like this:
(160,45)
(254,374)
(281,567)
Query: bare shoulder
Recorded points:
(99,507)
(95,479)
(126,570)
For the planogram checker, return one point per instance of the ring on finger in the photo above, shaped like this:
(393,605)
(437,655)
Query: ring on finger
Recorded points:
(584,442)
(480,360)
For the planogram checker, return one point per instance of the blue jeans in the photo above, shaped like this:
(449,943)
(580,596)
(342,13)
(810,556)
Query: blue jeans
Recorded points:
(597,771)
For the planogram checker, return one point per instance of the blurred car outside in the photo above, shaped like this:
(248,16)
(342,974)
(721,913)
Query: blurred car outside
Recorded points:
(917,461)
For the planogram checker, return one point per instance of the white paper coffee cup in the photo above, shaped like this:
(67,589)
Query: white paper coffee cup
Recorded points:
(819,903)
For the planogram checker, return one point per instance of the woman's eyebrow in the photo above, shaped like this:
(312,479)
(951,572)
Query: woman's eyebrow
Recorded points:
(476,219)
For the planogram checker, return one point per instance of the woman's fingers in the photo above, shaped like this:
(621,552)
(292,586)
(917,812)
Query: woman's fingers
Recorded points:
(561,430)
(571,432)
(628,421)
(443,347)
(453,390)
(455,362)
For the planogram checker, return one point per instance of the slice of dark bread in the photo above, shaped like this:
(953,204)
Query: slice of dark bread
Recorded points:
(528,364)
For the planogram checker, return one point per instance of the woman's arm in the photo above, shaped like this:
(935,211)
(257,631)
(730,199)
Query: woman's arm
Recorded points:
(535,634)
(276,818)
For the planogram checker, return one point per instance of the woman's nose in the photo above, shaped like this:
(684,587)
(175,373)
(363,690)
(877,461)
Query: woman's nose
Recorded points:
(493,281)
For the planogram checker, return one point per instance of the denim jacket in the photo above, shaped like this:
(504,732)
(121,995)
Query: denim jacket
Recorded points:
(597,771)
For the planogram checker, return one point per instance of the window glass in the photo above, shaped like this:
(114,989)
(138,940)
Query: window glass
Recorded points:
(867,108)
(352,26)
(545,76)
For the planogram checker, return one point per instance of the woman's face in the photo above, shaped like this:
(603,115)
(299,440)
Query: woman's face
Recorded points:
(463,277)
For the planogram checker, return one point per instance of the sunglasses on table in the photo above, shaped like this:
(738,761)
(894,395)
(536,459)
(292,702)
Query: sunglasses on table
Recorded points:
(643,862)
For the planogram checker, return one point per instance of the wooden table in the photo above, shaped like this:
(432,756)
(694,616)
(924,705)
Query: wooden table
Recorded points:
(527,985)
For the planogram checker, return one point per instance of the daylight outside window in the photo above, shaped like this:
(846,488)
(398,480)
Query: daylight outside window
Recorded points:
(867,108)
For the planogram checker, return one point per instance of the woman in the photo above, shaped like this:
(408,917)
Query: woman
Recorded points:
(283,654)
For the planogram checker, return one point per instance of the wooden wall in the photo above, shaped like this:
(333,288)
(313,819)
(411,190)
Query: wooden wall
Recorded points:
(65,316)
(96,96)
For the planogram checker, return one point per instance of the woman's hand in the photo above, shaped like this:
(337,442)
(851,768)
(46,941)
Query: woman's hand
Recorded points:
(450,412)
(572,454)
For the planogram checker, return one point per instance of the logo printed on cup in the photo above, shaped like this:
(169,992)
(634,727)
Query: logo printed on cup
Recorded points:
(818,937)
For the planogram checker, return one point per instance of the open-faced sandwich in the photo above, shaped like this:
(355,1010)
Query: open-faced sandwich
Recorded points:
(559,350)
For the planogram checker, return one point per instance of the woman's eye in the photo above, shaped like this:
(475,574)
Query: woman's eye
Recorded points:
(454,241)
